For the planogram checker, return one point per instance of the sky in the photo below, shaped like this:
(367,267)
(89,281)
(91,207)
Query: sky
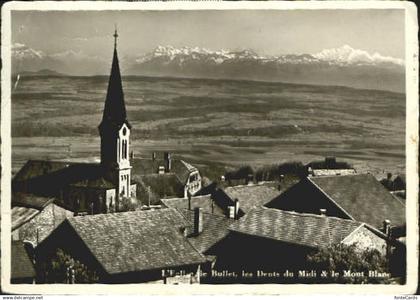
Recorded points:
(267,32)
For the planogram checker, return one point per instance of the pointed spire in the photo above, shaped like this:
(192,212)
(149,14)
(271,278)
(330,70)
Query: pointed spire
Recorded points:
(115,37)
(114,111)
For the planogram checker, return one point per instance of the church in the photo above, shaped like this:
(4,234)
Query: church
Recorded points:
(89,188)
(92,188)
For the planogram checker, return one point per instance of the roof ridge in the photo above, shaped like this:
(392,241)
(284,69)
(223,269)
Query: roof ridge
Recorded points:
(308,215)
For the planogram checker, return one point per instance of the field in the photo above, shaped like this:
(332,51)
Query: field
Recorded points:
(213,122)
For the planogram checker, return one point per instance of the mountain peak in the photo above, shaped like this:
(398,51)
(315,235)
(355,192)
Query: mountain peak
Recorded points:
(347,55)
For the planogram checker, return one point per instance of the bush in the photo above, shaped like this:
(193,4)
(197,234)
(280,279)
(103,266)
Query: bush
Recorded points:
(57,270)
(340,258)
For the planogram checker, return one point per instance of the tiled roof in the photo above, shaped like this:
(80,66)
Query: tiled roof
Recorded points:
(30,201)
(25,207)
(144,166)
(302,229)
(251,196)
(36,168)
(162,185)
(22,266)
(215,228)
(205,202)
(137,241)
(21,215)
(46,178)
(362,197)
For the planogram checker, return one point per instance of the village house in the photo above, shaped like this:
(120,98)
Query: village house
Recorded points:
(127,247)
(165,176)
(232,201)
(356,197)
(329,167)
(272,241)
(35,217)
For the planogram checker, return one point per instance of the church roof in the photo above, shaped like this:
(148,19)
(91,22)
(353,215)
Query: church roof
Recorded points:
(47,178)
(114,114)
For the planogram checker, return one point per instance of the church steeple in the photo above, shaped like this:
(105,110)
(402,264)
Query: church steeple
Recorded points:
(115,132)
(114,114)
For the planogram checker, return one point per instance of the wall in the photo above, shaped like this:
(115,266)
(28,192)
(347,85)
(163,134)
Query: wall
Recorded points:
(366,239)
(79,199)
(193,184)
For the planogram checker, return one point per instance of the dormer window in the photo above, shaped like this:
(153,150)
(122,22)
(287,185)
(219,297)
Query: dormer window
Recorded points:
(124,132)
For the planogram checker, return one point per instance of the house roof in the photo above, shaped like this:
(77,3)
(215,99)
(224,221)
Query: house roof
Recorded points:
(144,166)
(22,215)
(137,241)
(215,228)
(22,266)
(30,201)
(363,198)
(162,185)
(296,228)
(251,196)
(205,202)
(27,206)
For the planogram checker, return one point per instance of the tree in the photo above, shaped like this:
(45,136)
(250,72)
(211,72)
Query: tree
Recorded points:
(341,258)
(59,268)
(128,204)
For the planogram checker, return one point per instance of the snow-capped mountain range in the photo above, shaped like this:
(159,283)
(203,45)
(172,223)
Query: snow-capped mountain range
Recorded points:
(338,66)
(344,55)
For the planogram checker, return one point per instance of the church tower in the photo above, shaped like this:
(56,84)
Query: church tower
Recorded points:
(115,132)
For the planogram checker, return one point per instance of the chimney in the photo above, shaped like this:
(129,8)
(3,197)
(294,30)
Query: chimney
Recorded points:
(167,159)
(387,227)
(231,211)
(236,206)
(323,212)
(153,156)
(189,200)
(198,221)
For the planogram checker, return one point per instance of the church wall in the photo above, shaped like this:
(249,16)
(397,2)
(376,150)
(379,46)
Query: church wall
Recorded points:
(110,198)
(86,200)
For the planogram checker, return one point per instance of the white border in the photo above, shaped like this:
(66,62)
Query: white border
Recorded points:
(412,112)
